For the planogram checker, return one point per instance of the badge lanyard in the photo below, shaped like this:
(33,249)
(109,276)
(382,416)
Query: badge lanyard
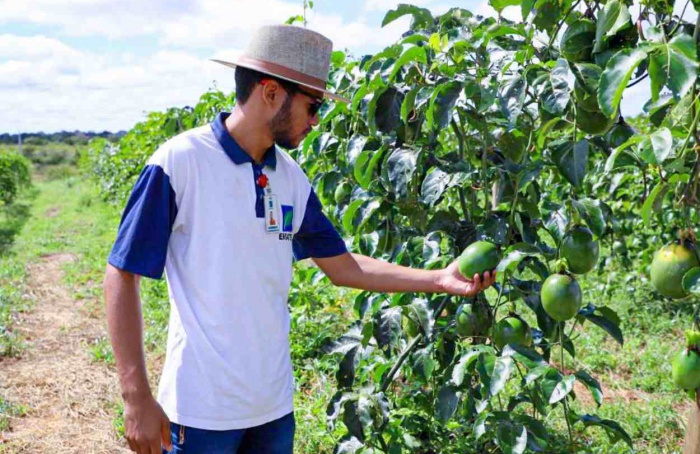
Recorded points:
(272,222)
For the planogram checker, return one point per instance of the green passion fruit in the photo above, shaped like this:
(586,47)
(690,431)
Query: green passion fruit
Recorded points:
(342,192)
(593,122)
(477,258)
(620,133)
(580,250)
(685,367)
(561,297)
(472,319)
(668,267)
(512,330)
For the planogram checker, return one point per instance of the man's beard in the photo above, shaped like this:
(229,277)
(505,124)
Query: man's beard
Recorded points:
(280,125)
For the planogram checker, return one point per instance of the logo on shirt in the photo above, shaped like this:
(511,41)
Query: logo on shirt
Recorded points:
(287,218)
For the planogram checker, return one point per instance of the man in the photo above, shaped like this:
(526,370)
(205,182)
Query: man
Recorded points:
(224,213)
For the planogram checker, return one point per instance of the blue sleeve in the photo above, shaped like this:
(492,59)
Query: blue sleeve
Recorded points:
(316,237)
(144,231)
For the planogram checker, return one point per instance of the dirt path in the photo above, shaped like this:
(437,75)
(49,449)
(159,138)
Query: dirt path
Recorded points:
(67,395)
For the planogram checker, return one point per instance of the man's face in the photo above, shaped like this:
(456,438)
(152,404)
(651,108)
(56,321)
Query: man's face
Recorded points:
(295,119)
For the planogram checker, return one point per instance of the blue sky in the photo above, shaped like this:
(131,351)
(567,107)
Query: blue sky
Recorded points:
(96,65)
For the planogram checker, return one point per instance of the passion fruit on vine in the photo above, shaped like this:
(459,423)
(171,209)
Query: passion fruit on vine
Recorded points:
(668,267)
(580,250)
(561,297)
(685,368)
(512,330)
(478,258)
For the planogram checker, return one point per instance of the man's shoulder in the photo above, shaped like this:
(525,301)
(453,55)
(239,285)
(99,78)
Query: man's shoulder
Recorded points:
(184,143)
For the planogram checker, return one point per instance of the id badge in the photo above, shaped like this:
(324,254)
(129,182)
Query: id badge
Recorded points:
(272,221)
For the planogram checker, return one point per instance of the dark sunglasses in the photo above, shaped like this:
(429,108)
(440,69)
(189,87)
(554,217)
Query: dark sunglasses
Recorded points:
(292,89)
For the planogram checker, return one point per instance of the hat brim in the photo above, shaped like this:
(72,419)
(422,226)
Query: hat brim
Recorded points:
(326,93)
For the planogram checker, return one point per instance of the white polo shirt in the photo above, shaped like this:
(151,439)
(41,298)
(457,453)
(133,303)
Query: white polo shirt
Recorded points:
(197,212)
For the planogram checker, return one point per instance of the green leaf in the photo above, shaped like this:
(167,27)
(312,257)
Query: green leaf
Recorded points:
(348,445)
(657,147)
(613,429)
(421,16)
(591,211)
(605,318)
(401,166)
(419,312)
(674,65)
(691,281)
(412,54)
(364,167)
(562,389)
(387,327)
(501,373)
(512,97)
(592,384)
(556,97)
(514,255)
(614,80)
(571,160)
(611,19)
(447,400)
(408,104)
(434,185)
(510,437)
(442,103)
(659,191)
(500,5)
(610,163)
(388,110)
(423,363)
(349,215)
(467,360)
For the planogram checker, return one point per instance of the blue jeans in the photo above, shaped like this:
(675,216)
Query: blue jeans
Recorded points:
(275,437)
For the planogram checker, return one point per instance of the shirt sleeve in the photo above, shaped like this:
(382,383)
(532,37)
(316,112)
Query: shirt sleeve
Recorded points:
(317,237)
(144,231)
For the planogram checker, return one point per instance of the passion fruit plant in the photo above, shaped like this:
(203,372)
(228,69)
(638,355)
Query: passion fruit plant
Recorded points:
(510,134)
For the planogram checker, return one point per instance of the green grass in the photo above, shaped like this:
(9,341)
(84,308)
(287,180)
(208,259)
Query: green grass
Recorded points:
(638,390)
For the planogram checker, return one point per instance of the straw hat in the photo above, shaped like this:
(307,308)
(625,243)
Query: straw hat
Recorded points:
(291,53)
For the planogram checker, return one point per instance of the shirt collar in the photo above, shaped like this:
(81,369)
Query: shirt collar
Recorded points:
(231,147)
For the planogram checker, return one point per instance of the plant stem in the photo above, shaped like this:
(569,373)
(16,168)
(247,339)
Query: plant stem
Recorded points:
(390,377)
(566,403)
(460,142)
(561,22)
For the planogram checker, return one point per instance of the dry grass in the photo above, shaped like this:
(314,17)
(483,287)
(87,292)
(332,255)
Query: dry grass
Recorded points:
(67,395)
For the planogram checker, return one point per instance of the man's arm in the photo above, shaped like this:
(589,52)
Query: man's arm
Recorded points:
(145,422)
(359,271)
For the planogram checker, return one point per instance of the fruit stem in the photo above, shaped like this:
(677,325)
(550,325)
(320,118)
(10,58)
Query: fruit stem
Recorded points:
(498,301)
(566,398)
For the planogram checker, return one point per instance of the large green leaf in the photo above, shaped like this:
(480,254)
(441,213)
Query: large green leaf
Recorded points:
(651,202)
(448,398)
(421,16)
(675,65)
(571,160)
(412,54)
(500,5)
(613,429)
(691,281)
(434,185)
(592,384)
(591,211)
(556,96)
(613,18)
(387,115)
(512,97)
(401,166)
(605,318)
(442,103)
(501,373)
(614,80)
(657,147)
(365,165)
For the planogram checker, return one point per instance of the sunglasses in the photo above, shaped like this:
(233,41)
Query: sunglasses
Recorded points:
(292,89)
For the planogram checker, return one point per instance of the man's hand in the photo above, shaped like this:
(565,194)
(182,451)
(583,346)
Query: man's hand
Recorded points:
(455,284)
(146,426)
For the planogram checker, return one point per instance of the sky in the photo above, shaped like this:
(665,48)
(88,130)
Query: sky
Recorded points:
(102,65)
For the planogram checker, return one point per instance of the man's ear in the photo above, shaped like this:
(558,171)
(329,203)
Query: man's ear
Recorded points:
(271,90)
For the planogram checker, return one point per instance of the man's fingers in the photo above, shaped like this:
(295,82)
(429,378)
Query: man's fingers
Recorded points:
(132,445)
(165,434)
